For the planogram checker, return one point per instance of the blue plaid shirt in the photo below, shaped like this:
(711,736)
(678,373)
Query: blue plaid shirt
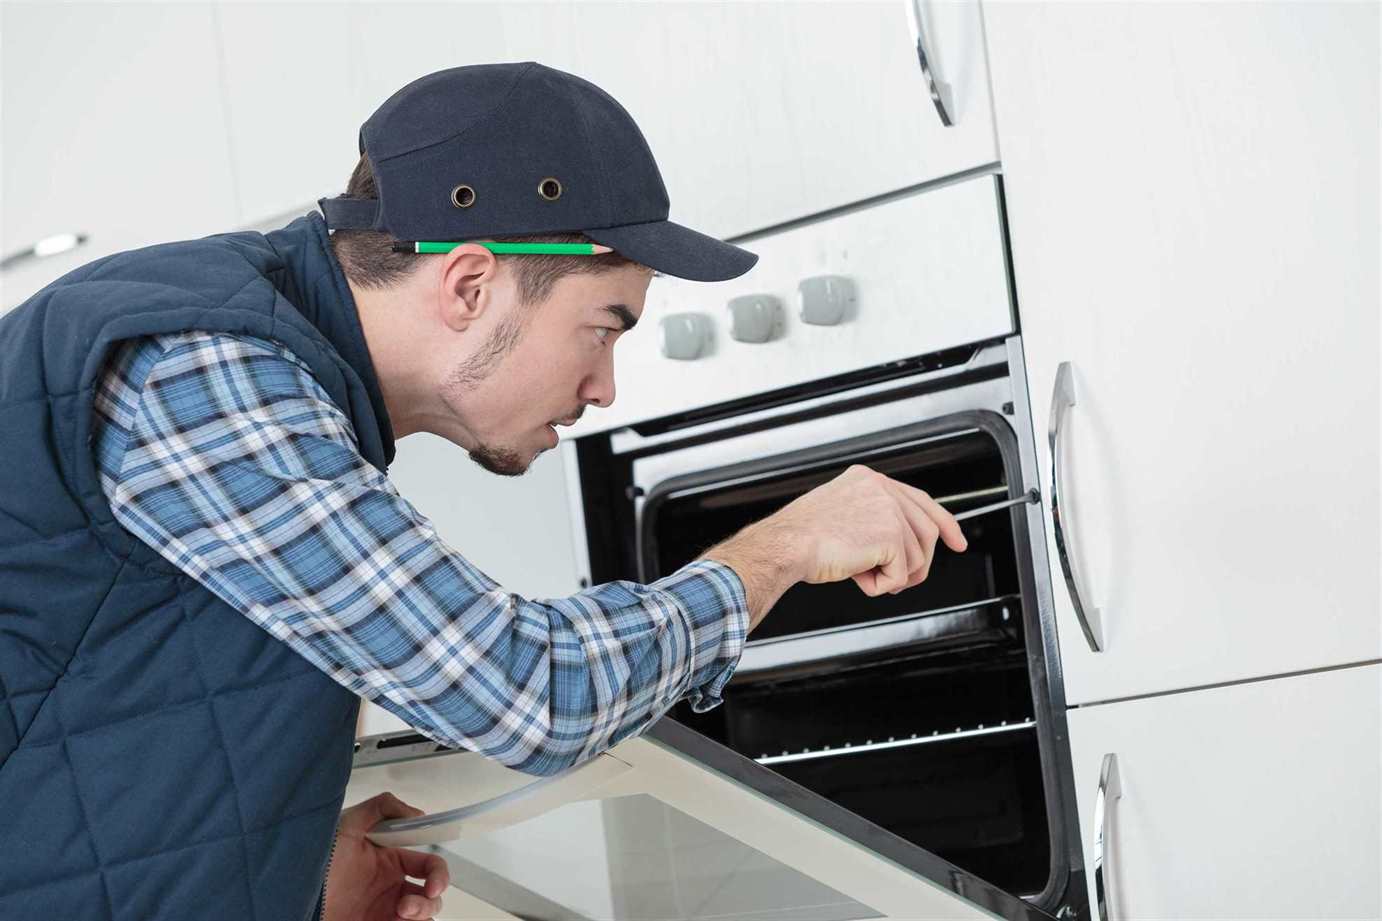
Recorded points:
(224,454)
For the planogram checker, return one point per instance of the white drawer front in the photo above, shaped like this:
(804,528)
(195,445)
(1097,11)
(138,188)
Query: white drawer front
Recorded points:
(1258,800)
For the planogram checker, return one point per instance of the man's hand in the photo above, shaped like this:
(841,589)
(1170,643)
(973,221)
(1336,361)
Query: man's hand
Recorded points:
(366,882)
(861,525)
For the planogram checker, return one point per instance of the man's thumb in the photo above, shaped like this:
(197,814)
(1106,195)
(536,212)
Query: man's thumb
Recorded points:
(376,809)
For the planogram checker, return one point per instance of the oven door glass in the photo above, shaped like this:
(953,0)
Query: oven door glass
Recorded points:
(667,826)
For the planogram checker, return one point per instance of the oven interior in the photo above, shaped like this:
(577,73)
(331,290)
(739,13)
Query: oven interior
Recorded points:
(934,738)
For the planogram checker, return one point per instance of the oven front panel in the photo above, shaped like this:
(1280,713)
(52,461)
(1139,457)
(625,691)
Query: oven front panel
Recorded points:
(918,273)
(928,714)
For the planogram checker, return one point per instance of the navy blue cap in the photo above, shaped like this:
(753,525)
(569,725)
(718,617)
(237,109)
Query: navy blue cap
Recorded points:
(496,149)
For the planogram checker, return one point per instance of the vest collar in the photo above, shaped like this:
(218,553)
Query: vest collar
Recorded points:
(313,282)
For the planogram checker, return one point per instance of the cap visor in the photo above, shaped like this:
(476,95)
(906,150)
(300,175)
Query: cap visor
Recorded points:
(675,250)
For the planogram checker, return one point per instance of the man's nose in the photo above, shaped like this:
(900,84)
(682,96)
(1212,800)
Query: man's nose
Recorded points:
(598,388)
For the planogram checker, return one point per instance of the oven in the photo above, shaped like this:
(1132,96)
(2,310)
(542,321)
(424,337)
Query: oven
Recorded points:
(932,713)
(894,757)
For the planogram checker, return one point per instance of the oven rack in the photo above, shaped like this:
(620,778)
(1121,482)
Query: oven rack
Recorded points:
(774,487)
(935,736)
(839,647)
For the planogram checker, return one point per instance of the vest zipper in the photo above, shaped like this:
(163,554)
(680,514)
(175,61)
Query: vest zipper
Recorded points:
(321,914)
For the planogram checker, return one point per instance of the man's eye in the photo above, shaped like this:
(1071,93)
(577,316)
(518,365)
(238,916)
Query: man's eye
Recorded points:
(602,333)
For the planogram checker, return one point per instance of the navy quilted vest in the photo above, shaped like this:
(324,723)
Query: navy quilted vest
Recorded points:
(161,757)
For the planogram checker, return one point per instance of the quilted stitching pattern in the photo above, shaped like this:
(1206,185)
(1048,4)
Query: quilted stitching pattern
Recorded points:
(160,755)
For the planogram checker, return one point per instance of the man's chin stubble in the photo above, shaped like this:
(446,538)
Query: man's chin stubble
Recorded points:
(499,461)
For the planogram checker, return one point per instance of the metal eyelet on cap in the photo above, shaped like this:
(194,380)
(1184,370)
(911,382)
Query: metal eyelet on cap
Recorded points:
(463,196)
(549,188)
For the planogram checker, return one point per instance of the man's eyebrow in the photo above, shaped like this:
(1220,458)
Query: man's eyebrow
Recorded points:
(623,314)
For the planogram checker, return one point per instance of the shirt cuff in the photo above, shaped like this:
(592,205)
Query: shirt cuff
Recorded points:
(716,606)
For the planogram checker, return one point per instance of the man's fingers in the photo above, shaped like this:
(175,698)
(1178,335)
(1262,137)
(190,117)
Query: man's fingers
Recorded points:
(950,531)
(364,815)
(388,806)
(907,558)
(428,867)
(924,530)
(917,555)
(892,572)
(912,555)
(867,582)
(415,906)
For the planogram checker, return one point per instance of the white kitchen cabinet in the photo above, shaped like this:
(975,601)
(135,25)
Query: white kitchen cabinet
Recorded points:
(1192,198)
(293,102)
(113,128)
(758,112)
(1259,800)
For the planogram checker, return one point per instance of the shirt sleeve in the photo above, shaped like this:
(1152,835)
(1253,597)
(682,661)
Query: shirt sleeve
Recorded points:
(240,470)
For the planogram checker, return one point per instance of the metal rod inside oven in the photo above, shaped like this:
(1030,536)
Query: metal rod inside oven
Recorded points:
(1000,490)
(1030,497)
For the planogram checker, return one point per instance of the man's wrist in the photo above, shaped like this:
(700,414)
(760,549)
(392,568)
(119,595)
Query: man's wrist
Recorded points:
(766,559)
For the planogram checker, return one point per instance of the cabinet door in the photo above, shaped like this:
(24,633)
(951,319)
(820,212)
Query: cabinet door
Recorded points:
(293,102)
(760,113)
(1193,212)
(1259,800)
(757,112)
(113,128)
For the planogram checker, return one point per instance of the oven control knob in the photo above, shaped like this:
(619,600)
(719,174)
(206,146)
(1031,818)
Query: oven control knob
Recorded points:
(684,335)
(824,300)
(754,317)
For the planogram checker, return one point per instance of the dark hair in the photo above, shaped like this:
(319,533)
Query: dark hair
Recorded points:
(368,259)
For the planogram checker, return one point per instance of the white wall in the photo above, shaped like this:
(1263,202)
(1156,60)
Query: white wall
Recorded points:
(516,529)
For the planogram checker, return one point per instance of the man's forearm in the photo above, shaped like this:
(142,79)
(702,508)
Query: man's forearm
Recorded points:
(766,561)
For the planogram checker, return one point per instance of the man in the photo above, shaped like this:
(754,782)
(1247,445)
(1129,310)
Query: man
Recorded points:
(203,565)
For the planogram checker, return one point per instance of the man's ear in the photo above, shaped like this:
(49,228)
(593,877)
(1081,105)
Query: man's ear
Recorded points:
(466,287)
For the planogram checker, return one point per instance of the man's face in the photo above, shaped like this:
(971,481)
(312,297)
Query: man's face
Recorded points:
(531,367)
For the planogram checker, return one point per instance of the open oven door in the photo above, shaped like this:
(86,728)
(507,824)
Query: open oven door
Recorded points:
(671,825)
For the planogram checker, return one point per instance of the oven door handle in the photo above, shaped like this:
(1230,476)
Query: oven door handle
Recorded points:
(531,800)
(1110,790)
(1062,399)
